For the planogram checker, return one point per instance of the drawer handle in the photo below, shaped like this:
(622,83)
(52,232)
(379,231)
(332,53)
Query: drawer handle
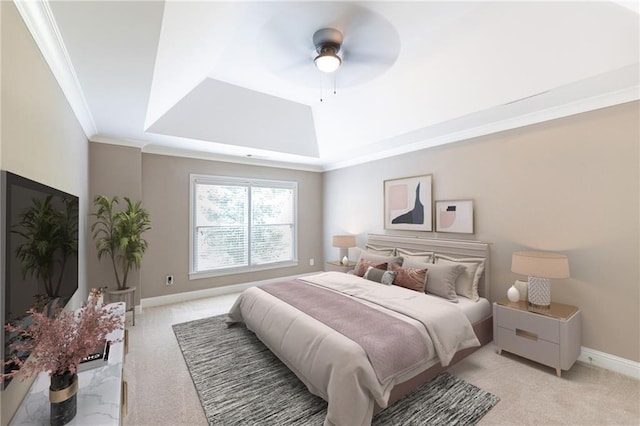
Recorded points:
(526,334)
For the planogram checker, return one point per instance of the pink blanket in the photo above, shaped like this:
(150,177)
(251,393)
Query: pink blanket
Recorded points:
(393,346)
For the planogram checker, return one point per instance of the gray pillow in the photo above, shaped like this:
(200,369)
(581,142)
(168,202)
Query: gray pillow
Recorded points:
(380,276)
(441,278)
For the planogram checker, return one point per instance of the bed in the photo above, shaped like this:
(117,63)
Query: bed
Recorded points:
(361,346)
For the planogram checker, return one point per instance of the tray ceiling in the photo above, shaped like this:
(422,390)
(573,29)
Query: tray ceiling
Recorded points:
(233,80)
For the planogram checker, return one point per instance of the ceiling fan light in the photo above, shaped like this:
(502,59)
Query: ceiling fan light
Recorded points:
(327,62)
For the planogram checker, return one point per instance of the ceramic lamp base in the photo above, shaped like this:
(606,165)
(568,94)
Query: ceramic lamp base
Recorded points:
(539,291)
(344,252)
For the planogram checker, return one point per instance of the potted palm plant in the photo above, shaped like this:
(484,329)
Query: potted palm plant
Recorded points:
(50,239)
(118,235)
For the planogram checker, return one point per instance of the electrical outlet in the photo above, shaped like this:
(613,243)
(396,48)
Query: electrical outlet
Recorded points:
(169,280)
(312,262)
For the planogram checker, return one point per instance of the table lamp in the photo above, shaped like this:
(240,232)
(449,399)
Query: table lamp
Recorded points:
(344,242)
(540,267)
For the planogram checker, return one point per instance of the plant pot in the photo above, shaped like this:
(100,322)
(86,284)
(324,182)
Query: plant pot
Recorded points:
(63,398)
(127,296)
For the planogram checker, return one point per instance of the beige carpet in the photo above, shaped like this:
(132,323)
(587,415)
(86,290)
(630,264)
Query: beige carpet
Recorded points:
(161,391)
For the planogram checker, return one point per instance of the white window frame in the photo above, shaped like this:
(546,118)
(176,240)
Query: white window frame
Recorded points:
(221,180)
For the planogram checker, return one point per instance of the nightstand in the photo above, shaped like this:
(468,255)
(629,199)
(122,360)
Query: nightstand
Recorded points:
(338,266)
(550,336)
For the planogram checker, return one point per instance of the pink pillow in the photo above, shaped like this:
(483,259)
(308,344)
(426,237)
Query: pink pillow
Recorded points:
(411,278)
(363,265)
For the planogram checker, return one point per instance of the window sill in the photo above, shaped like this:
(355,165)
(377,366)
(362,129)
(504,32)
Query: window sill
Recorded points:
(242,270)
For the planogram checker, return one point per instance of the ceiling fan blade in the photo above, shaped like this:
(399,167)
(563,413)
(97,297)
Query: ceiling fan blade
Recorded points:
(380,58)
(354,74)
(296,64)
(349,16)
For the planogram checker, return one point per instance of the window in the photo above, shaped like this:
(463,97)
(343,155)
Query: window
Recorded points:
(241,225)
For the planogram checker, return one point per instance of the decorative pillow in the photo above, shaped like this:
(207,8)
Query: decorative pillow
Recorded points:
(379,276)
(381,251)
(441,278)
(425,256)
(363,265)
(365,255)
(467,282)
(411,278)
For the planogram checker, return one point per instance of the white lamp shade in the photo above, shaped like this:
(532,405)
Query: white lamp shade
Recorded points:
(327,62)
(344,241)
(540,264)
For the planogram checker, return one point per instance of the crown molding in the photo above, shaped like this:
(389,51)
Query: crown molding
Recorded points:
(39,20)
(147,147)
(209,156)
(132,143)
(629,94)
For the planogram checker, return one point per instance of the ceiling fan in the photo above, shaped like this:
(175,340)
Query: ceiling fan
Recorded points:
(348,38)
(327,42)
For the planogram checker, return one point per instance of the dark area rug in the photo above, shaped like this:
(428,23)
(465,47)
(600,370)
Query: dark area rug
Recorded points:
(240,382)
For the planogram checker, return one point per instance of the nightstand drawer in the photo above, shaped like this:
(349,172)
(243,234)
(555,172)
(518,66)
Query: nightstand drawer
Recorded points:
(526,345)
(538,325)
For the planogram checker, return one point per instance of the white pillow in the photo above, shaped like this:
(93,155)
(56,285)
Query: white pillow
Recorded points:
(424,256)
(467,282)
(381,251)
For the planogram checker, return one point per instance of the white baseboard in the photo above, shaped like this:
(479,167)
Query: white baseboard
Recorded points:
(209,292)
(610,362)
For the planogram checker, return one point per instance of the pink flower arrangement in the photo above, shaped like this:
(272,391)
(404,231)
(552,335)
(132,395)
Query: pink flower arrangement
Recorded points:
(59,342)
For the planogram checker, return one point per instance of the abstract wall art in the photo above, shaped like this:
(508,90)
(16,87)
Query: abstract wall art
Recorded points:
(407,203)
(454,216)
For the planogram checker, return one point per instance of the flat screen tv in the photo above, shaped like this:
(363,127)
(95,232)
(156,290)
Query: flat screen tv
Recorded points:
(39,252)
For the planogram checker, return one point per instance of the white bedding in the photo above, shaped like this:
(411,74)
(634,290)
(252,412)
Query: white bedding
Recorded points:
(333,366)
(474,311)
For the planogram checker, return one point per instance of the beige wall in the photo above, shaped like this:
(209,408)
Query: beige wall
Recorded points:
(163,182)
(41,140)
(165,191)
(113,170)
(569,185)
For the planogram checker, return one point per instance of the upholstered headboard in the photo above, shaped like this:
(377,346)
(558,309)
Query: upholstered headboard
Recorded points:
(454,248)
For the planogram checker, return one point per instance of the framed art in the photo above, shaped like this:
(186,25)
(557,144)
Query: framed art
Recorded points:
(454,216)
(407,203)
